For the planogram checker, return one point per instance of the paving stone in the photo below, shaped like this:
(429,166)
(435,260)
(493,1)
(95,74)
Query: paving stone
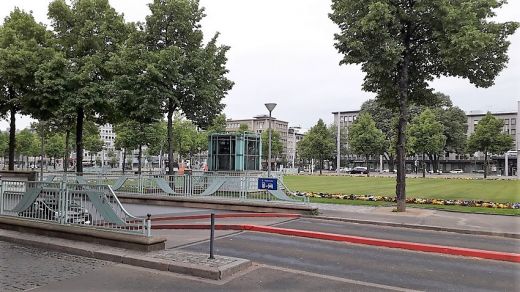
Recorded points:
(23,267)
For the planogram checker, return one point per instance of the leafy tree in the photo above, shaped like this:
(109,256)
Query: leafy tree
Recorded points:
(23,46)
(276,145)
(55,147)
(28,144)
(160,146)
(386,121)
(243,128)
(125,140)
(402,45)
(489,139)
(112,158)
(318,143)
(365,138)
(87,33)
(194,80)
(426,135)
(133,135)
(4,145)
(218,124)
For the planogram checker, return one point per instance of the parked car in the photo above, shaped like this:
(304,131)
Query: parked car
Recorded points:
(456,171)
(345,169)
(438,171)
(48,210)
(359,170)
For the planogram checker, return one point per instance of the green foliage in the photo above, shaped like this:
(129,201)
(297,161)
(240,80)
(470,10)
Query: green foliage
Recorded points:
(243,128)
(452,38)
(134,82)
(194,75)
(489,138)
(23,48)
(28,143)
(187,139)
(426,134)
(403,45)
(55,146)
(218,124)
(87,33)
(365,138)
(4,143)
(455,125)
(276,144)
(318,143)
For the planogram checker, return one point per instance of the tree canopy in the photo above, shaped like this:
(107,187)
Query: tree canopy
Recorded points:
(488,138)
(403,45)
(23,48)
(365,138)
(426,135)
(318,143)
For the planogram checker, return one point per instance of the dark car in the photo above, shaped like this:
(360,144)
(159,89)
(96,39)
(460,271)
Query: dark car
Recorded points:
(48,210)
(359,170)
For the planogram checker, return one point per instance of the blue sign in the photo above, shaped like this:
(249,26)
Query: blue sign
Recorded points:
(267,184)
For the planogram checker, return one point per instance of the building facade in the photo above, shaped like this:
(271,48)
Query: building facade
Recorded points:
(501,164)
(293,138)
(259,124)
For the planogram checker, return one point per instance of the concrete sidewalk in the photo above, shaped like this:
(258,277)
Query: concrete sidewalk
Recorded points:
(177,261)
(507,226)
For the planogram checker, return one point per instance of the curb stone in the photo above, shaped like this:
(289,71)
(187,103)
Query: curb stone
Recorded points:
(416,226)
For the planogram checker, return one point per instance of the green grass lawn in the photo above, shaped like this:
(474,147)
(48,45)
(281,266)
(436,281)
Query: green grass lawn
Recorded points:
(487,190)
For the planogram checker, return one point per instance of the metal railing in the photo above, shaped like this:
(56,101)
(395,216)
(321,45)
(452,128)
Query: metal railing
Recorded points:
(91,205)
(207,185)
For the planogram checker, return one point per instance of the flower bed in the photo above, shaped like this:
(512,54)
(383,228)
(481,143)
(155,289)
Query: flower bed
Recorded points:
(376,198)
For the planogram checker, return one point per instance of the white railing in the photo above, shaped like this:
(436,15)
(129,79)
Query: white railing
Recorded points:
(91,205)
(208,185)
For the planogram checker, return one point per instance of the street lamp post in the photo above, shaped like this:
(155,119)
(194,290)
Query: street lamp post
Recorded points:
(270,107)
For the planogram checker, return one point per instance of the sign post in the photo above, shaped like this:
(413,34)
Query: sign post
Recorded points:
(268,184)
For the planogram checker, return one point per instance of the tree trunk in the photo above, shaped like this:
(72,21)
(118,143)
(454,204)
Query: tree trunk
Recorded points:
(171,109)
(368,171)
(391,163)
(139,158)
(66,158)
(321,164)
(124,159)
(403,121)
(423,166)
(485,163)
(12,135)
(42,152)
(79,140)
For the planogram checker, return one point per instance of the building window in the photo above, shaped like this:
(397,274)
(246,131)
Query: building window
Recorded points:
(513,132)
(506,121)
(513,121)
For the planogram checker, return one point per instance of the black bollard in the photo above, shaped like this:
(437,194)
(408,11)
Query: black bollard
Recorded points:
(212,236)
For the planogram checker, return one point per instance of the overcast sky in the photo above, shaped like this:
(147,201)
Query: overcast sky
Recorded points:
(282,51)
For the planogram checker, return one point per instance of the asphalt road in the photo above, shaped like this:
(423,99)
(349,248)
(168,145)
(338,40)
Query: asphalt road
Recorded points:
(25,268)
(384,266)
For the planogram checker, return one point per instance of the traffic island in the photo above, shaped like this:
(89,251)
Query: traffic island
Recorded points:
(181,262)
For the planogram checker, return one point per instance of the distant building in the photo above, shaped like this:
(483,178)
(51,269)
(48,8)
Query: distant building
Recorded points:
(293,138)
(453,161)
(509,118)
(259,124)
